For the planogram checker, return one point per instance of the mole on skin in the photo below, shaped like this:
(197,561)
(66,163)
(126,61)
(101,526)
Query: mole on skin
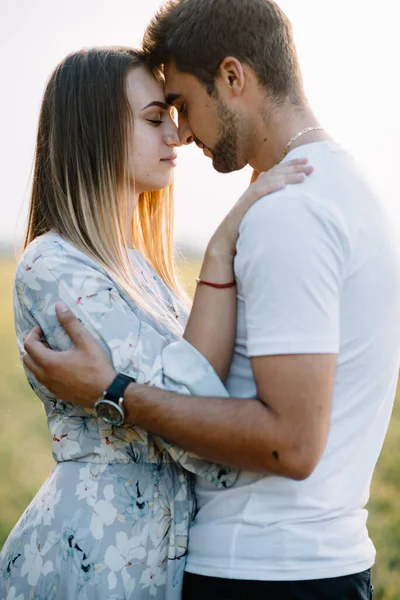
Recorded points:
(275,454)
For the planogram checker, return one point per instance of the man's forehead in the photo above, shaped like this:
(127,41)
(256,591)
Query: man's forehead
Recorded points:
(171,98)
(172,83)
(177,83)
(173,92)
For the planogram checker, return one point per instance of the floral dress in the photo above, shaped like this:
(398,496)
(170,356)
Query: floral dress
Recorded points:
(111,521)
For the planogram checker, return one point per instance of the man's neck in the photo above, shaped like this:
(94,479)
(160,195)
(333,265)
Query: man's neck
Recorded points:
(275,132)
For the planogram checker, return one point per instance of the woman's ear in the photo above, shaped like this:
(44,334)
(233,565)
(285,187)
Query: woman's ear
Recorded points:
(231,75)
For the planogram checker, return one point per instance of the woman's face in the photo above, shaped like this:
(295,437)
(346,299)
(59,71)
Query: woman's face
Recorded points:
(155,135)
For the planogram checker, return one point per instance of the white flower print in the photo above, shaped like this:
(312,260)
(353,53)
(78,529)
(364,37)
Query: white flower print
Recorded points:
(41,305)
(50,498)
(64,448)
(122,352)
(149,368)
(35,271)
(112,519)
(58,337)
(129,582)
(161,523)
(155,575)
(33,566)
(85,292)
(11,595)
(108,453)
(120,557)
(115,440)
(104,513)
(87,486)
(82,426)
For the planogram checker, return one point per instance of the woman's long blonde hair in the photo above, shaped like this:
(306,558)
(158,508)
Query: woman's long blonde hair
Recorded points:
(81,182)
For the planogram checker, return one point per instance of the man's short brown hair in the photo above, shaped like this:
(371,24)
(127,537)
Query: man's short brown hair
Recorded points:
(198,34)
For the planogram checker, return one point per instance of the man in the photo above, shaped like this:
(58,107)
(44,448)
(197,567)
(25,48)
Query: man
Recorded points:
(318,339)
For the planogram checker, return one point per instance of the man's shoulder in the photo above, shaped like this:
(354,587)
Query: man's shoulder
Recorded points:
(293,203)
(294,223)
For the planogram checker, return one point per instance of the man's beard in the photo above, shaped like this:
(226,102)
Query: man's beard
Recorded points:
(225,155)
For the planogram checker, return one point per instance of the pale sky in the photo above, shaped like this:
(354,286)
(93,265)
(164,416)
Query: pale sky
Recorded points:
(349,56)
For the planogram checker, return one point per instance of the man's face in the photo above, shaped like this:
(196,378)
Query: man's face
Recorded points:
(204,119)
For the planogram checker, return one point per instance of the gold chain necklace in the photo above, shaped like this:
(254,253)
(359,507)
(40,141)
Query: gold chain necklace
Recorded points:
(296,137)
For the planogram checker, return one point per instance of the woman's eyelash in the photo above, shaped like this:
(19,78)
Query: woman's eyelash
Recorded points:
(182,108)
(155,122)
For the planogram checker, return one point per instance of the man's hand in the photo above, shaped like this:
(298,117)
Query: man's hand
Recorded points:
(79,374)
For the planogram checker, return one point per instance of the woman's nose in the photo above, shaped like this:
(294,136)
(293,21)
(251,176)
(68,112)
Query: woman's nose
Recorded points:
(172,140)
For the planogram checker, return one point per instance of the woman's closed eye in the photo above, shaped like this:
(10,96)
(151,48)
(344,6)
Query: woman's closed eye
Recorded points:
(158,118)
(155,118)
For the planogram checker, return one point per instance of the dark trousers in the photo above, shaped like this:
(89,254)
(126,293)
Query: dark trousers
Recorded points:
(350,587)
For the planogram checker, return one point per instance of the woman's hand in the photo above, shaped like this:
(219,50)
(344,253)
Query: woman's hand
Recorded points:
(223,242)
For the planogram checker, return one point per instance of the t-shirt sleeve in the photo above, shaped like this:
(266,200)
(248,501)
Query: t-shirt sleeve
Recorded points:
(290,268)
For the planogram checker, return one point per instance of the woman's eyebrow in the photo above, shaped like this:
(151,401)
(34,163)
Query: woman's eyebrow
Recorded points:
(162,105)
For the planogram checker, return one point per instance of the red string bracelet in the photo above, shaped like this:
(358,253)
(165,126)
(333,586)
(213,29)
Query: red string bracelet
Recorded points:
(217,286)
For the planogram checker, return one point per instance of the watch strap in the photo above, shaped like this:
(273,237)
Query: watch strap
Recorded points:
(117,389)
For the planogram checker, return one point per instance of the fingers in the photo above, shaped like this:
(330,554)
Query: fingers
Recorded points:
(291,172)
(36,334)
(299,165)
(307,170)
(287,170)
(34,368)
(296,161)
(292,178)
(35,348)
(35,357)
(79,335)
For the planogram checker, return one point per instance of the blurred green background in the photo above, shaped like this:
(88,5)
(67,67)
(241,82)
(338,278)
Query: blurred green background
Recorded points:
(25,455)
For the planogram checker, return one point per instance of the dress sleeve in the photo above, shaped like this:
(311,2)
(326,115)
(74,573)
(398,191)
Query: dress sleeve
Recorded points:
(133,345)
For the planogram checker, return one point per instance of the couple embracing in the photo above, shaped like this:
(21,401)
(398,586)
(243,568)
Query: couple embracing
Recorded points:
(222,450)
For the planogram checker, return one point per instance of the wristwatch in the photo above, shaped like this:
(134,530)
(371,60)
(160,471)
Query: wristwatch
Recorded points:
(110,407)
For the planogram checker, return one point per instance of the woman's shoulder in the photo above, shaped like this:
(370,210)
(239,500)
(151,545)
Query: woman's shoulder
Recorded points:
(51,244)
(53,251)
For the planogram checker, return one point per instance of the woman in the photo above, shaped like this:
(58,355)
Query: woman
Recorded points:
(112,519)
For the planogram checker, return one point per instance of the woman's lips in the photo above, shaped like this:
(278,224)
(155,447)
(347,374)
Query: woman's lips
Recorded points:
(172,160)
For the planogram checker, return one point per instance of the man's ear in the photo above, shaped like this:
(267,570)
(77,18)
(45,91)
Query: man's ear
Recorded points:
(231,74)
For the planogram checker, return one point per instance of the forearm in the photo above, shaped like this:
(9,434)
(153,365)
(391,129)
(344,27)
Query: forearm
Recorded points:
(243,433)
(212,323)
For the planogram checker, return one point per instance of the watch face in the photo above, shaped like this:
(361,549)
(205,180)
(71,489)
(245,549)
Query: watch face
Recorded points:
(110,412)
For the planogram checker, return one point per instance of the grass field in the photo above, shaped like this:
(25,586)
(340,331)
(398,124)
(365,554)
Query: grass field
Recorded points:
(25,456)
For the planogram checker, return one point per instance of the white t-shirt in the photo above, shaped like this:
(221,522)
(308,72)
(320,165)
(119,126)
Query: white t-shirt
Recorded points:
(318,271)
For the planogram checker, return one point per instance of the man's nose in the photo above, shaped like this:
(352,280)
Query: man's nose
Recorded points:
(185,133)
